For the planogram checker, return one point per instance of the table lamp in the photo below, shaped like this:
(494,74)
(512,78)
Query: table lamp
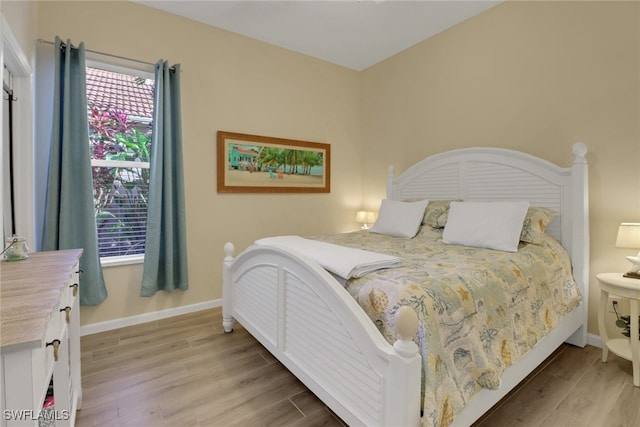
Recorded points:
(365,218)
(629,237)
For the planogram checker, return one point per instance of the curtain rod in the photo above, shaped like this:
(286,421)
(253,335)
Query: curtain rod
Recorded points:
(105,54)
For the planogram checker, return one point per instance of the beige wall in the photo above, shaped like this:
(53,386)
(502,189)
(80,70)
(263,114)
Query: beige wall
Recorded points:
(531,76)
(229,83)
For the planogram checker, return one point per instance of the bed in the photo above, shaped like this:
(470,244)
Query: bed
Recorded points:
(311,322)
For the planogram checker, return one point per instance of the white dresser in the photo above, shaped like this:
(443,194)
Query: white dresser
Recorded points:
(40,339)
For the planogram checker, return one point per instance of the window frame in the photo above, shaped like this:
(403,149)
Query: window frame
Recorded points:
(123,66)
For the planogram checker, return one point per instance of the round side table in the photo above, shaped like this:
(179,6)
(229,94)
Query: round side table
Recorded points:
(627,348)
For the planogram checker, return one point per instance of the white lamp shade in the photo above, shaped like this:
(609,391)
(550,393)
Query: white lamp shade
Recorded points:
(364,217)
(628,235)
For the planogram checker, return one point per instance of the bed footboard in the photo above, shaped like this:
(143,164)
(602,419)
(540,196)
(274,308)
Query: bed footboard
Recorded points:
(306,319)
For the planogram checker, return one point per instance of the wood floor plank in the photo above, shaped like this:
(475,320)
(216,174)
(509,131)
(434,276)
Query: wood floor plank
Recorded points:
(186,371)
(307,402)
(595,393)
(322,418)
(573,362)
(543,393)
(562,420)
(96,413)
(626,408)
(133,387)
(281,413)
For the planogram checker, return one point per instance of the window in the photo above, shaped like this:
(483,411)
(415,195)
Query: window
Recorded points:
(120,113)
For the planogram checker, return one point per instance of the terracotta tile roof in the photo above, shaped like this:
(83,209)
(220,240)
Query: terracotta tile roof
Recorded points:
(107,90)
(245,151)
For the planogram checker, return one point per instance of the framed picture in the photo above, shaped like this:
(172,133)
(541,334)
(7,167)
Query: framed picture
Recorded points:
(262,164)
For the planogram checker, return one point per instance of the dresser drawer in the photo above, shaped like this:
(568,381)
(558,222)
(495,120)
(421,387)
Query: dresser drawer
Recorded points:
(43,358)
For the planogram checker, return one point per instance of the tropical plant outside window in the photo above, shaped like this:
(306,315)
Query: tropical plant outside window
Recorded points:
(120,113)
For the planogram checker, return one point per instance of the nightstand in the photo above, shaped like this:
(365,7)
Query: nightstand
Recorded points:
(628,348)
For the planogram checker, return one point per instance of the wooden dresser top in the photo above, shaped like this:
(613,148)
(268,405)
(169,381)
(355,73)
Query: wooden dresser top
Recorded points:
(30,290)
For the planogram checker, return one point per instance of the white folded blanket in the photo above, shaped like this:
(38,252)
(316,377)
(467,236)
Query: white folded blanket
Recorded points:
(339,260)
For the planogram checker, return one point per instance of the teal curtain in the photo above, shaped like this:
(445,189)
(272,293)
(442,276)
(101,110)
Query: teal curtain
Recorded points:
(69,216)
(165,259)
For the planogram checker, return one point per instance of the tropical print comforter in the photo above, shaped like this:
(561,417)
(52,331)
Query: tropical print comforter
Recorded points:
(480,310)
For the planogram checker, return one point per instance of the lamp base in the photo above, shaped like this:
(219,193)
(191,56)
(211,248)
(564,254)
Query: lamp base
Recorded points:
(632,275)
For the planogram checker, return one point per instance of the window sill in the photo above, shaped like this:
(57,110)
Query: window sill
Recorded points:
(113,261)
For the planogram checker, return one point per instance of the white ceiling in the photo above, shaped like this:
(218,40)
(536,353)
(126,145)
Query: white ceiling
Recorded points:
(352,33)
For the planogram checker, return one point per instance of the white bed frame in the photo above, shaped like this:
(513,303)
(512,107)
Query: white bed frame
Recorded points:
(306,319)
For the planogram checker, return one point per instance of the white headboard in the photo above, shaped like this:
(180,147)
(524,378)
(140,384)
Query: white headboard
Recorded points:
(489,174)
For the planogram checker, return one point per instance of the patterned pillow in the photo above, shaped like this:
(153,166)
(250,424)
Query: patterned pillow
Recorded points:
(535,222)
(436,213)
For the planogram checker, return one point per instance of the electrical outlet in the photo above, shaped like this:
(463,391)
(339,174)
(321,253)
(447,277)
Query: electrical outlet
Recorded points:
(615,302)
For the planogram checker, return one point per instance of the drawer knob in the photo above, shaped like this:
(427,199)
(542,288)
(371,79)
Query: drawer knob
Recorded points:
(75,289)
(67,311)
(56,345)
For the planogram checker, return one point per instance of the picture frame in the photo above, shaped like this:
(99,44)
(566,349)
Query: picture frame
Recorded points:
(262,164)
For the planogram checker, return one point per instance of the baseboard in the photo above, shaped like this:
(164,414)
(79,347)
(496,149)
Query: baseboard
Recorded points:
(94,328)
(594,340)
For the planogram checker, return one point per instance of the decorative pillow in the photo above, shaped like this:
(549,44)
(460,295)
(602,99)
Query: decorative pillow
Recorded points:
(535,222)
(437,213)
(400,219)
(491,225)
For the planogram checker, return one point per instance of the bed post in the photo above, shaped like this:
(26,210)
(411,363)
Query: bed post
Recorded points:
(580,234)
(403,392)
(227,288)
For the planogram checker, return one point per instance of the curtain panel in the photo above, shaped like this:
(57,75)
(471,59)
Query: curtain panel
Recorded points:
(69,215)
(165,260)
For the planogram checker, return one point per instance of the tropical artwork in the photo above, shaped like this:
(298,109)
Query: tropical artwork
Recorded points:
(253,164)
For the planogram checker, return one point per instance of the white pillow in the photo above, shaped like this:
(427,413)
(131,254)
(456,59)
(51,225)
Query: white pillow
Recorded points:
(492,225)
(399,219)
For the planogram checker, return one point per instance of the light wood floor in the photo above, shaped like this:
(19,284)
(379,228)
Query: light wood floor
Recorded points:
(185,371)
